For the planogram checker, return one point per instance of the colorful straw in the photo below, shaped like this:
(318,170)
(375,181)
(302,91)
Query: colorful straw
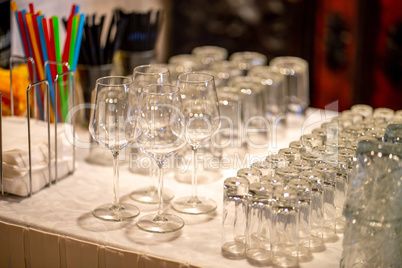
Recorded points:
(42,42)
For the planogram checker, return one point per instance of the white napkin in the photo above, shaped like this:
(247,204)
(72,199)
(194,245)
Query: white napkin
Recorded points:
(15,154)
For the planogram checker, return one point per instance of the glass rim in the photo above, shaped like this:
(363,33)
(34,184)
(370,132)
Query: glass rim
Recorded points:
(195,82)
(151,65)
(99,81)
(146,89)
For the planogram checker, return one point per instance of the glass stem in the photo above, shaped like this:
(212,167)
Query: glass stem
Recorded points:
(160,188)
(194,198)
(153,187)
(116,201)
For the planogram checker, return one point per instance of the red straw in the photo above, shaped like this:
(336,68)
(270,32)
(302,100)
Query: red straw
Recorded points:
(66,49)
(31,8)
(50,48)
(36,29)
(25,44)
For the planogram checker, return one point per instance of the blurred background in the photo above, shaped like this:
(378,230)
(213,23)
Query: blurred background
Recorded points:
(353,47)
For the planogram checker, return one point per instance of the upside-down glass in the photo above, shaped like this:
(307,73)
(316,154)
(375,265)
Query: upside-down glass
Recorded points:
(274,85)
(160,134)
(317,209)
(201,110)
(234,217)
(144,76)
(285,238)
(110,127)
(210,54)
(247,59)
(297,75)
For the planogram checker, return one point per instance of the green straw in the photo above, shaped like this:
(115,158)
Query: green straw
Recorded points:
(63,100)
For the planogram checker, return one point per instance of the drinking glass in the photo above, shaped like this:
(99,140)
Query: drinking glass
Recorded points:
(108,126)
(144,76)
(210,54)
(160,133)
(234,219)
(285,238)
(296,71)
(248,59)
(201,110)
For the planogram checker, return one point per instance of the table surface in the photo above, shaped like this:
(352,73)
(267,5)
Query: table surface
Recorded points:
(65,209)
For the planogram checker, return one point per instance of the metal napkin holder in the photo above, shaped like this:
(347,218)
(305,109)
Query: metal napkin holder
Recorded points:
(71,76)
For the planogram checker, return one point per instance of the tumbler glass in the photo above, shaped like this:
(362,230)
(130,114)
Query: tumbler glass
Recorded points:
(291,154)
(247,59)
(255,125)
(288,173)
(183,63)
(310,141)
(363,109)
(384,113)
(210,54)
(341,182)
(285,228)
(231,118)
(301,165)
(313,159)
(303,189)
(297,80)
(234,217)
(265,168)
(274,86)
(317,209)
(251,174)
(259,225)
(225,71)
(299,146)
(329,223)
(277,160)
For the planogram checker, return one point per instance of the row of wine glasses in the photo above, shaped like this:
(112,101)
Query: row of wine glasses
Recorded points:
(160,118)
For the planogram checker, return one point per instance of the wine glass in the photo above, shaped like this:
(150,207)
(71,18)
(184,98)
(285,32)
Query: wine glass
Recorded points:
(201,109)
(160,133)
(108,126)
(143,76)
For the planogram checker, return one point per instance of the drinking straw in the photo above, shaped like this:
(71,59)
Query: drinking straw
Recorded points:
(34,45)
(31,8)
(50,44)
(73,39)
(78,41)
(45,59)
(36,52)
(25,45)
(66,49)
(36,32)
(55,21)
(92,49)
(48,55)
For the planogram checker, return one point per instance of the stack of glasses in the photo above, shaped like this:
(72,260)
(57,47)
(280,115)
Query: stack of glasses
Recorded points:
(280,210)
(253,93)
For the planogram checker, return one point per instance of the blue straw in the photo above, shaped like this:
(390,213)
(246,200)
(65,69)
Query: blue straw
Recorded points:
(78,42)
(44,50)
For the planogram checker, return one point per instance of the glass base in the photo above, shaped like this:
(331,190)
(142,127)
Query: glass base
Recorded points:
(147,196)
(165,223)
(194,205)
(112,212)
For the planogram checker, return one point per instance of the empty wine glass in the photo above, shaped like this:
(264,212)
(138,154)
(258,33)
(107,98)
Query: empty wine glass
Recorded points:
(160,133)
(143,76)
(201,109)
(108,126)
